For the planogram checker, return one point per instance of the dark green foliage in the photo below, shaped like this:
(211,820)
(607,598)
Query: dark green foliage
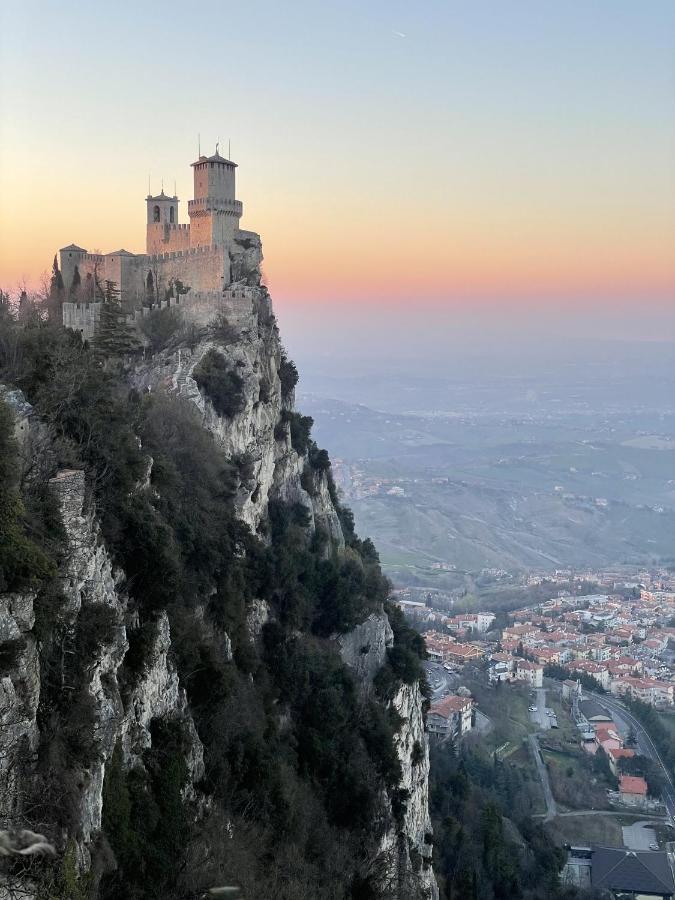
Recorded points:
(404,658)
(10,654)
(97,626)
(296,759)
(145,820)
(114,337)
(660,735)
(647,769)
(288,376)
(223,331)
(220,383)
(318,459)
(159,326)
(470,796)
(300,429)
(140,641)
(553,670)
(310,591)
(22,562)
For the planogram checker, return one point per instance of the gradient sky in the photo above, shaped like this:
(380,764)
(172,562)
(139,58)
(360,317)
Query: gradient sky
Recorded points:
(506,153)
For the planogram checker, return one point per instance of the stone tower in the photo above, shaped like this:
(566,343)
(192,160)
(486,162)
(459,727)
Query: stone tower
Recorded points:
(215,211)
(161,221)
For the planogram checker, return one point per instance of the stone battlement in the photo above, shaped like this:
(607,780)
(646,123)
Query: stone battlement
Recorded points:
(198,307)
(188,251)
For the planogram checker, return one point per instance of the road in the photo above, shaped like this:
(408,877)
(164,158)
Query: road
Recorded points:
(539,717)
(645,744)
(441,681)
(608,812)
(551,808)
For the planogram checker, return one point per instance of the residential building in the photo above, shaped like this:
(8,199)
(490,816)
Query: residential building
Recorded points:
(530,672)
(450,716)
(633,790)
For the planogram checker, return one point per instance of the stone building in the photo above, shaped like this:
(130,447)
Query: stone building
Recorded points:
(196,260)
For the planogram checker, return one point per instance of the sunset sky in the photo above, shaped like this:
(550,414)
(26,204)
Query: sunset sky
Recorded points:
(446,154)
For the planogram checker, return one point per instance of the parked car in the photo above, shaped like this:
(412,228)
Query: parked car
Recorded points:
(533,709)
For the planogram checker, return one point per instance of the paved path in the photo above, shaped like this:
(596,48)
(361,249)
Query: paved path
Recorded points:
(539,718)
(551,809)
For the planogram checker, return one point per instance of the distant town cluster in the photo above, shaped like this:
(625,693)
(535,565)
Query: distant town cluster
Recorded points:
(622,645)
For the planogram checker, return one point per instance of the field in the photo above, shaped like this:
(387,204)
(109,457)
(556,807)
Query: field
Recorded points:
(507,708)
(603,830)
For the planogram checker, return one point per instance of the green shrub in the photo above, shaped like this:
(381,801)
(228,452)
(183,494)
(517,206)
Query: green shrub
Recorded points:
(220,383)
(222,331)
(300,428)
(161,325)
(288,376)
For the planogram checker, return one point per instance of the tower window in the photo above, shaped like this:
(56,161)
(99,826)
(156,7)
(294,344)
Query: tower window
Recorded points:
(155,214)
(171,214)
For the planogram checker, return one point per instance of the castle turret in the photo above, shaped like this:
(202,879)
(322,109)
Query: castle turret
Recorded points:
(162,219)
(215,211)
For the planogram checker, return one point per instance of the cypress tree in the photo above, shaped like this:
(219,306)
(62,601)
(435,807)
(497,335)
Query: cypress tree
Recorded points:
(77,281)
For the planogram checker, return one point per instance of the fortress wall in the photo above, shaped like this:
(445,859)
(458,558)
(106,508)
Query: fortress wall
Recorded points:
(201,269)
(198,307)
(82,317)
(164,237)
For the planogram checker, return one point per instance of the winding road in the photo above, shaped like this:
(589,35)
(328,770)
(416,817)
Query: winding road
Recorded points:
(644,743)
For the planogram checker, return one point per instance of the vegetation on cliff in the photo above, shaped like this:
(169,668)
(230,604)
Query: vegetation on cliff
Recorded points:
(297,759)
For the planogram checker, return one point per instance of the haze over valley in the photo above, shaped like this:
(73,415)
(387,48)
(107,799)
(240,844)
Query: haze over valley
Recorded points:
(532,459)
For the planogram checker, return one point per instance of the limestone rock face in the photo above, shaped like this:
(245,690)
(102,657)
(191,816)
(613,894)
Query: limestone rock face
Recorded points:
(88,581)
(257,432)
(364,649)
(411,844)
(406,845)
(19,699)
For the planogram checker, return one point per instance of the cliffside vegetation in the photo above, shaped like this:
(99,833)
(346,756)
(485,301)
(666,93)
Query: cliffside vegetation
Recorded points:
(292,801)
(486,844)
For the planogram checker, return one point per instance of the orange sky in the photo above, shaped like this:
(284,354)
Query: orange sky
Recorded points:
(532,163)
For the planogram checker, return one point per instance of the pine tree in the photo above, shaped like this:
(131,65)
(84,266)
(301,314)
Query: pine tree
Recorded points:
(113,336)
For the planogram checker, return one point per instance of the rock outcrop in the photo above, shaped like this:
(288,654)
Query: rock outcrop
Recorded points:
(258,436)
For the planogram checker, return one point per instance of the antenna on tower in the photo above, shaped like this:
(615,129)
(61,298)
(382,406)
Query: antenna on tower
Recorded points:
(162,185)
(199,145)
(217,145)
(229,148)
(149,191)
(174,187)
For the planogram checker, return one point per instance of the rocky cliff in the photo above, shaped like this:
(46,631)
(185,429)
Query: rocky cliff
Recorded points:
(89,650)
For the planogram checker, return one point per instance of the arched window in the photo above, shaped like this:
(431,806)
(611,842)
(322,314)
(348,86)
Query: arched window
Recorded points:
(155,214)
(171,214)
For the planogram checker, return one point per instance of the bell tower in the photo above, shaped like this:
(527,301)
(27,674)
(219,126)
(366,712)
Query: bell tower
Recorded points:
(162,218)
(215,211)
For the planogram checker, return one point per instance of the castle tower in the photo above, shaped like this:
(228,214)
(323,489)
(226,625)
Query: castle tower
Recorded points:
(162,219)
(215,211)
